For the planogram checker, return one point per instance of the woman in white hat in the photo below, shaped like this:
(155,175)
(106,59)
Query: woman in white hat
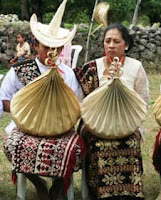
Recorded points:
(42,141)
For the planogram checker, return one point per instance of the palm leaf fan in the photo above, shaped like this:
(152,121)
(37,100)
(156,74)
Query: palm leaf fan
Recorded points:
(157,110)
(113,111)
(46,106)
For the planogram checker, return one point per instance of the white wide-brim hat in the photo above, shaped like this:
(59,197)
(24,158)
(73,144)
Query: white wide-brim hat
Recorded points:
(52,35)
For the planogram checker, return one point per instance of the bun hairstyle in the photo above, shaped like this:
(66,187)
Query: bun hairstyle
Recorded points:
(124,32)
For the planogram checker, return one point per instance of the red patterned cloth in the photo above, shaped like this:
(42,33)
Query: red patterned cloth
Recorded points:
(114,167)
(157,152)
(27,70)
(52,157)
(87,77)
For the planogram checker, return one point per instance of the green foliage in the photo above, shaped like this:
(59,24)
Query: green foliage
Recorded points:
(81,11)
(152,9)
(121,10)
(143,20)
(126,23)
(82,16)
(47,17)
(68,26)
(3,70)
(10,7)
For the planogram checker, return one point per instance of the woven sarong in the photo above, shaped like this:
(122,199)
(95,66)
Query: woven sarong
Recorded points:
(52,157)
(157,152)
(114,167)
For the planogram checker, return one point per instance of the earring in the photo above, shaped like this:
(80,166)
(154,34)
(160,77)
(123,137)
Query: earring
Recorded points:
(126,48)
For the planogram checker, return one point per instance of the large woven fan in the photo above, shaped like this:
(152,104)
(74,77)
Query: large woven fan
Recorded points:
(157,110)
(46,106)
(100,14)
(113,111)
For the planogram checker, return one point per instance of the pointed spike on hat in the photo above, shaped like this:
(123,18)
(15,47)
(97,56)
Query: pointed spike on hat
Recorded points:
(52,35)
(57,19)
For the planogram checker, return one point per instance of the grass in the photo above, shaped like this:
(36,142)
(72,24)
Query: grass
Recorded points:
(150,176)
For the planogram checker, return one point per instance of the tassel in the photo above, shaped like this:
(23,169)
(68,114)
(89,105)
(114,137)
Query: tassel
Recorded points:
(14,178)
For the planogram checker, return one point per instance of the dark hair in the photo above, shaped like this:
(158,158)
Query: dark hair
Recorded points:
(124,32)
(23,35)
(33,43)
(33,40)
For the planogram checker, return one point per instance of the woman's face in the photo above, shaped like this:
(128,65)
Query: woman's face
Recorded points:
(114,44)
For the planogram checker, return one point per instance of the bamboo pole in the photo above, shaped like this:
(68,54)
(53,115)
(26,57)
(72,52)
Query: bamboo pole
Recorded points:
(135,16)
(89,33)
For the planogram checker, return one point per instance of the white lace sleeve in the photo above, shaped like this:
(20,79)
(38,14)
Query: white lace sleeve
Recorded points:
(142,85)
(80,94)
(1,108)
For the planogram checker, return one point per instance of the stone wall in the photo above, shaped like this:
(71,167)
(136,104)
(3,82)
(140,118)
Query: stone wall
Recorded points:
(9,27)
(147,42)
(146,48)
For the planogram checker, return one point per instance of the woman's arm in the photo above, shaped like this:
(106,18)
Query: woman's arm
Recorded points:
(142,85)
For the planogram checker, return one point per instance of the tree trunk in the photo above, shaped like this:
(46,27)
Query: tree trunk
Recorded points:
(24,10)
(89,33)
(37,9)
(135,16)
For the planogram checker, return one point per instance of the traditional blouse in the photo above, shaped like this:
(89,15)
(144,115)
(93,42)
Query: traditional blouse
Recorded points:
(134,76)
(91,76)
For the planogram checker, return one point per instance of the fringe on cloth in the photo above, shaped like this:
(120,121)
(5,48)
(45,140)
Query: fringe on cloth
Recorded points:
(51,157)
(14,178)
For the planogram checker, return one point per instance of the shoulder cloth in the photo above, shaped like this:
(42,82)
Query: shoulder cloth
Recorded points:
(27,70)
(87,76)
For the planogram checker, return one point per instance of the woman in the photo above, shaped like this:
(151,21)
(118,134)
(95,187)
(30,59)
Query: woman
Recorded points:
(114,167)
